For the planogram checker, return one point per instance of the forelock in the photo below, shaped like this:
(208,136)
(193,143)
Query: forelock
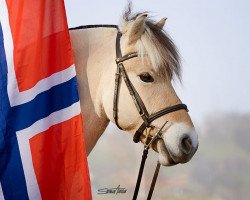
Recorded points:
(157,44)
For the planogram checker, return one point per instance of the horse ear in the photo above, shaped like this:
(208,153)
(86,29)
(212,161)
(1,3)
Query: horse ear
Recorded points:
(137,29)
(161,23)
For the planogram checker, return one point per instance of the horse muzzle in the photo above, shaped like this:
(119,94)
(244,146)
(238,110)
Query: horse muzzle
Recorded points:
(178,145)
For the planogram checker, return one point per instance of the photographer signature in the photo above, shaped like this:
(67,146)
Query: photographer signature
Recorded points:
(115,191)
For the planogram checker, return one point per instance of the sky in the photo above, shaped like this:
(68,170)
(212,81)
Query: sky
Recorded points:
(213,38)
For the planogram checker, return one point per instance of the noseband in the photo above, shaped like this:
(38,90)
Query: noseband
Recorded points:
(141,108)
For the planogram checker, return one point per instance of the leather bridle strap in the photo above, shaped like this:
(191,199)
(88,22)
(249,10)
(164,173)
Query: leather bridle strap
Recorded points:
(117,81)
(156,115)
(135,96)
(132,91)
(149,142)
(121,72)
(152,186)
(138,182)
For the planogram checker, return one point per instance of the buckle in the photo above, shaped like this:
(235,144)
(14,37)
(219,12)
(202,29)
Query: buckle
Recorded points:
(156,136)
(118,60)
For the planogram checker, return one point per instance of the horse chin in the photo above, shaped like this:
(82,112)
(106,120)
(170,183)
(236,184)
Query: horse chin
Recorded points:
(165,158)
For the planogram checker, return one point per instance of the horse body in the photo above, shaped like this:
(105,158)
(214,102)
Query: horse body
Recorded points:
(151,74)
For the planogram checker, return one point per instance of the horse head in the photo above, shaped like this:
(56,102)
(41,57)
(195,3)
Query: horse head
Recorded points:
(150,63)
(144,61)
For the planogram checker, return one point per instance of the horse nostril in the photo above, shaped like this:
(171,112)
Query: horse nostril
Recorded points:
(186,145)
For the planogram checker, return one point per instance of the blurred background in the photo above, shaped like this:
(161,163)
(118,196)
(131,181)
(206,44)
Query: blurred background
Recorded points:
(213,38)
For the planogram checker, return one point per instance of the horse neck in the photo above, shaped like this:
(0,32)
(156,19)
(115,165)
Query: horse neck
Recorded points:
(94,51)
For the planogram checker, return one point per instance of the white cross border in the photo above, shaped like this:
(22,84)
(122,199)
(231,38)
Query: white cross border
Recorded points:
(15,96)
(24,136)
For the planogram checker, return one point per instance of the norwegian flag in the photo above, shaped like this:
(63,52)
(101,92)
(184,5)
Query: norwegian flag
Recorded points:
(42,152)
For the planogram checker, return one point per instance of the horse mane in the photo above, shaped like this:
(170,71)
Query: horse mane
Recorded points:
(157,44)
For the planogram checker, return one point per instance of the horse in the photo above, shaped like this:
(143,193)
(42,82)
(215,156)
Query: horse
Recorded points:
(151,64)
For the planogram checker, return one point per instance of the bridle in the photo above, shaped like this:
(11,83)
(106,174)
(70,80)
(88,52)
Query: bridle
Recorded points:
(147,119)
(141,108)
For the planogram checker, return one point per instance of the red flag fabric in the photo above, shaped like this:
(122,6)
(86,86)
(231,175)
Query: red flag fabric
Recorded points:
(42,152)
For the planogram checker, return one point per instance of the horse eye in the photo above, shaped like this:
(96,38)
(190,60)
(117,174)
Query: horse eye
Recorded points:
(146,77)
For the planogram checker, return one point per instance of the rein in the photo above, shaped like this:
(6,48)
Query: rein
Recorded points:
(141,108)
